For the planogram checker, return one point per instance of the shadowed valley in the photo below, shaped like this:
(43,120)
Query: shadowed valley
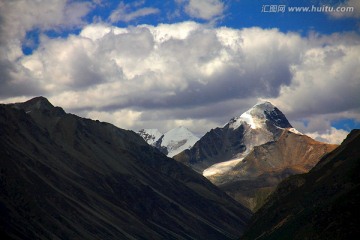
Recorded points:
(66,177)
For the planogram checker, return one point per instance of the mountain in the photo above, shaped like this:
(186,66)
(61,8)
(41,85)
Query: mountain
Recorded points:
(251,180)
(178,140)
(172,142)
(151,136)
(66,177)
(252,153)
(260,124)
(320,204)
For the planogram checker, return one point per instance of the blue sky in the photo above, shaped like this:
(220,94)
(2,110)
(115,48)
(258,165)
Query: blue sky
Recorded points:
(240,14)
(235,14)
(196,63)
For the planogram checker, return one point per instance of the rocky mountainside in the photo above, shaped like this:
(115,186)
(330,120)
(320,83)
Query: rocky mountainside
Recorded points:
(260,124)
(66,177)
(172,142)
(252,153)
(317,205)
(256,176)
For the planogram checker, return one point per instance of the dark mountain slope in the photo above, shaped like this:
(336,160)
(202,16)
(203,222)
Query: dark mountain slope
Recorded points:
(253,179)
(318,205)
(65,177)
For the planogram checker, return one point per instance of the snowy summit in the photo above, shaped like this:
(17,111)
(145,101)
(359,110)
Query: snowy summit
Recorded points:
(257,116)
(172,142)
(262,123)
(178,139)
(151,136)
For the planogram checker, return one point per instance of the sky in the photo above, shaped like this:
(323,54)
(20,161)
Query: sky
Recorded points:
(193,63)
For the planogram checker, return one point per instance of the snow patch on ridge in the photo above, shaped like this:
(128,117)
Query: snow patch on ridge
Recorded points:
(294,130)
(221,168)
(246,116)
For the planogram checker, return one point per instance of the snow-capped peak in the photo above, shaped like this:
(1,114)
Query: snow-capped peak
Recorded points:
(151,136)
(177,140)
(257,116)
(177,133)
(172,142)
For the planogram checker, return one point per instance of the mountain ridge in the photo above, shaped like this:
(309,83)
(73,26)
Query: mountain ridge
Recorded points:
(251,153)
(260,124)
(67,177)
(315,205)
(266,165)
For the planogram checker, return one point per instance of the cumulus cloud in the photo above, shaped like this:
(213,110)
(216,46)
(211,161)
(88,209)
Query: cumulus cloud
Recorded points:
(45,15)
(124,12)
(188,72)
(19,17)
(332,135)
(150,67)
(126,118)
(326,80)
(185,73)
(204,9)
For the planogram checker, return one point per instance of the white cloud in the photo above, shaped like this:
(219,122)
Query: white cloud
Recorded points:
(124,12)
(40,14)
(326,80)
(187,65)
(332,135)
(190,74)
(125,118)
(204,9)
(19,17)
